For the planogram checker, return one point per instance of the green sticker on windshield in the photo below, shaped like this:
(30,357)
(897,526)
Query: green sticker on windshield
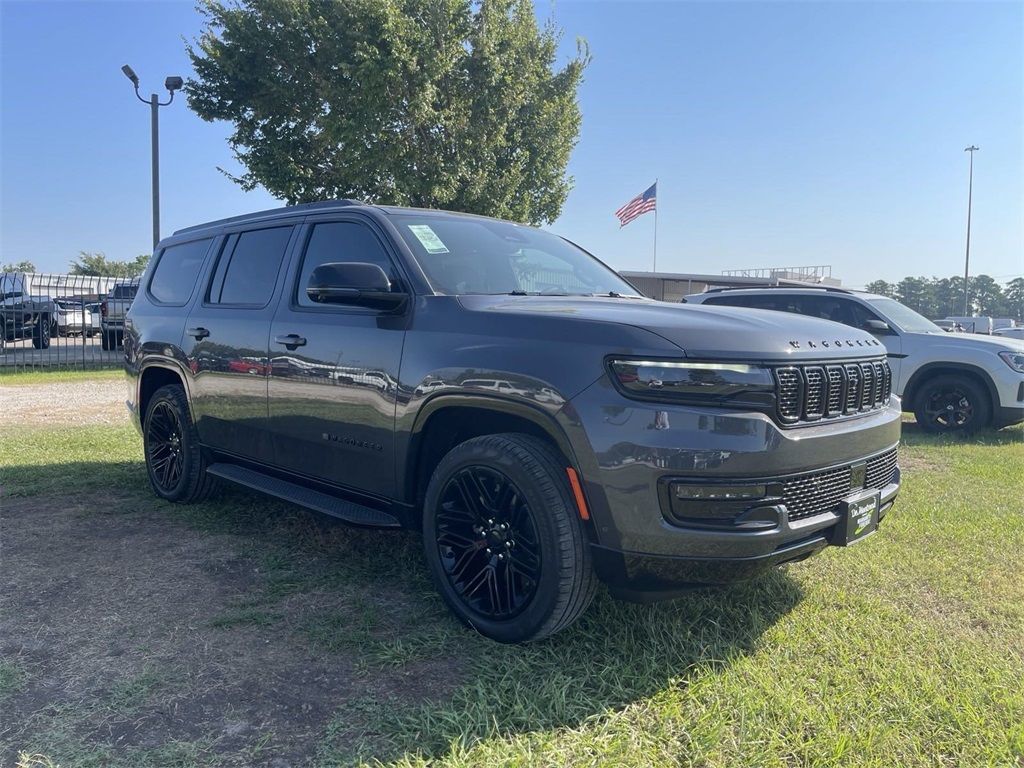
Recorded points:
(428,238)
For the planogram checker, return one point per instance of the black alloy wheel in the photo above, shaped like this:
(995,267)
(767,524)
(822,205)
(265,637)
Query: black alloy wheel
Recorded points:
(164,448)
(487,542)
(952,404)
(175,461)
(503,538)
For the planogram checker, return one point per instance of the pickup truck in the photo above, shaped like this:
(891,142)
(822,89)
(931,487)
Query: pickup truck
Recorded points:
(23,316)
(112,312)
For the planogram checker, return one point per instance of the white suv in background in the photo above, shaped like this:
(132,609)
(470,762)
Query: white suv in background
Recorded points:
(952,382)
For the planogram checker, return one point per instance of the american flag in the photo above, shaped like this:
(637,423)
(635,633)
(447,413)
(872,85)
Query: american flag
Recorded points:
(638,206)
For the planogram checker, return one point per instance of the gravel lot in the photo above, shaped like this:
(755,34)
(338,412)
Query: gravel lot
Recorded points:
(75,403)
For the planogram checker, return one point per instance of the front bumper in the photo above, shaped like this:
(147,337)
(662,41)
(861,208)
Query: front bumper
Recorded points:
(643,577)
(1009,394)
(628,452)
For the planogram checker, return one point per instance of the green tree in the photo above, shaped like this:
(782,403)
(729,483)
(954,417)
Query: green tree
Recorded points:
(986,296)
(948,293)
(913,291)
(880,287)
(97,264)
(1014,295)
(22,266)
(433,103)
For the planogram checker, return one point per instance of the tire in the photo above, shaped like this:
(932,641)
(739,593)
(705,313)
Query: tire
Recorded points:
(526,580)
(107,340)
(41,334)
(175,461)
(952,404)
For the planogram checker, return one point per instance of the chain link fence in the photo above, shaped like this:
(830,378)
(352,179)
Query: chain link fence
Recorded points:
(62,321)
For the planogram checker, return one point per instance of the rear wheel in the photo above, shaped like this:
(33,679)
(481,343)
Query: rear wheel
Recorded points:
(41,333)
(503,540)
(175,461)
(952,404)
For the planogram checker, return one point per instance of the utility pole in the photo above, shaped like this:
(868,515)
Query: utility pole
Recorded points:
(172,84)
(967,258)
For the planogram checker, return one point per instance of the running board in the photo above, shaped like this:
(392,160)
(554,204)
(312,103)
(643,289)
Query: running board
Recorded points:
(350,512)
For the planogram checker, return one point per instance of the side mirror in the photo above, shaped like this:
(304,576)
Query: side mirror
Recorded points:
(355,284)
(877,326)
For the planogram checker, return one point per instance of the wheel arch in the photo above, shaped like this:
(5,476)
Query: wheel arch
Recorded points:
(447,420)
(155,375)
(927,372)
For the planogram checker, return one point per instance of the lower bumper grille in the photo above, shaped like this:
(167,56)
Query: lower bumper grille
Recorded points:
(810,495)
(880,470)
(817,492)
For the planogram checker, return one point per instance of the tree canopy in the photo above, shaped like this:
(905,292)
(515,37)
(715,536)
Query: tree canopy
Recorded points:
(944,297)
(98,265)
(22,266)
(432,103)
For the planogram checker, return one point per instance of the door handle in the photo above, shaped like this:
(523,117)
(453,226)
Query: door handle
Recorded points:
(291,341)
(198,333)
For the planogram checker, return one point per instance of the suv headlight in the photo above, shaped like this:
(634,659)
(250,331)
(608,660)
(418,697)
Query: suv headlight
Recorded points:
(1014,359)
(695,382)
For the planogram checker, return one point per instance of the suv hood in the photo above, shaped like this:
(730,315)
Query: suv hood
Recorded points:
(956,341)
(710,333)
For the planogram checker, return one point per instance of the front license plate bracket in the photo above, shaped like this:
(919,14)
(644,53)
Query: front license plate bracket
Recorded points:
(858,518)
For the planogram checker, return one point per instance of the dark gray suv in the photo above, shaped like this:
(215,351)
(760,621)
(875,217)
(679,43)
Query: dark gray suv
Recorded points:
(500,389)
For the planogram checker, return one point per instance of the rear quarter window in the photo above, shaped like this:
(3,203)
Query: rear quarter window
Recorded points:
(174,278)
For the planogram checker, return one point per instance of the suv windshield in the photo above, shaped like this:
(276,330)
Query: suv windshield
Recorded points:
(904,317)
(468,255)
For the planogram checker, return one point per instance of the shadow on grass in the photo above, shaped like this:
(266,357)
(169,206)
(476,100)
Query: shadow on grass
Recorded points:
(426,685)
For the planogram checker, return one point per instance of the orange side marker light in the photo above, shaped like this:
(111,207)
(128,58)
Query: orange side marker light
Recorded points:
(577,491)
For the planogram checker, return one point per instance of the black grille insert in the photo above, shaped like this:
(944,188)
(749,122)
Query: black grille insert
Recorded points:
(814,392)
(880,470)
(815,493)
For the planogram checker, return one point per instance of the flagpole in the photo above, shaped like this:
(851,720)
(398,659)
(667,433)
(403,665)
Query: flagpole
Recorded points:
(655,225)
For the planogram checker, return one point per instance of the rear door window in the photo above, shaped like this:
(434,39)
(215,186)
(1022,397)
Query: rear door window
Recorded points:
(175,275)
(248,267)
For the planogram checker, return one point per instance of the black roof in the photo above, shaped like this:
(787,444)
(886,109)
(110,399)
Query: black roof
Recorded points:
(319,207)
(287,210)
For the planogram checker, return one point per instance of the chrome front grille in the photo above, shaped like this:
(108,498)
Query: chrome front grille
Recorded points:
(814,392)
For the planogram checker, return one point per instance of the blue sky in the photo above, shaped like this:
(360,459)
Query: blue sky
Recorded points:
(781,134)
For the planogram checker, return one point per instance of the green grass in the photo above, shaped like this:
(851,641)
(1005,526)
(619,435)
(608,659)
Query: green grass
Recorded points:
(904,650)
(21,377)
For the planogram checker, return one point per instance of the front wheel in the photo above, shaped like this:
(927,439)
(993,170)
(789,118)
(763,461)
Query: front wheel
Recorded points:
(503,540)
(952,404)
(175,461)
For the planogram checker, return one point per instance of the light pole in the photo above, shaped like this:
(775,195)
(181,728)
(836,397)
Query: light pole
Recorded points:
(967,258)
(172,84)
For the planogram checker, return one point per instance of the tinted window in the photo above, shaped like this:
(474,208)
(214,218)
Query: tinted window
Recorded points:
(177,271)
(341,241)
(248,268)
(827,307)
(753,302)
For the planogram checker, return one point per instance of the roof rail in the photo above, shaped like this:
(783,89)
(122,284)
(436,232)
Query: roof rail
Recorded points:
(286,210)
(827,288)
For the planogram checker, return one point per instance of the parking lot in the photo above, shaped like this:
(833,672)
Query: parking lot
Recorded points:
(243,631)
